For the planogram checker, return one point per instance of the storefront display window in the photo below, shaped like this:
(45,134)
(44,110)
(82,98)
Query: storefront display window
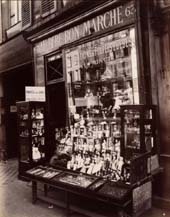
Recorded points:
(101,76)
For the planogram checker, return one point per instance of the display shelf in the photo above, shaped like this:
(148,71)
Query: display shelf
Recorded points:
(138,129)
(30,123)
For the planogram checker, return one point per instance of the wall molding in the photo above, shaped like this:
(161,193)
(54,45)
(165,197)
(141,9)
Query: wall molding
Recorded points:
(161,202)
(165,155)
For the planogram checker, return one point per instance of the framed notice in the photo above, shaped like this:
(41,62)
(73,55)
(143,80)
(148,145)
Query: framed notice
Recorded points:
(34,93)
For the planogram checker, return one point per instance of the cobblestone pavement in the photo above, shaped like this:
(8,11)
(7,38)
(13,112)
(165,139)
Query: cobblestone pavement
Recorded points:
(8,171)
(15,198)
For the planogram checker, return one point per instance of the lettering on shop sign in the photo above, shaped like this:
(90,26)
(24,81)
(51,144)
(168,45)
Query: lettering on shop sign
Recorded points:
(116,17)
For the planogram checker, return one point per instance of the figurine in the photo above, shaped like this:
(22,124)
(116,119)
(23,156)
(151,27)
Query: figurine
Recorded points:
(97,145)
(118,99)
(35,153)
(128,93)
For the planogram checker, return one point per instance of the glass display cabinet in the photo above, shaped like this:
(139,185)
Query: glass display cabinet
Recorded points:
(31,134)
(138,130)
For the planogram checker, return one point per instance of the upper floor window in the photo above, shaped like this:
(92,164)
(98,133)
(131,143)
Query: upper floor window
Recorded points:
(69,3)
(15,11)
(48,7)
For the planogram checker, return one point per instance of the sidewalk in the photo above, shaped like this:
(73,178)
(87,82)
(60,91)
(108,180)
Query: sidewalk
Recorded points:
(15,198)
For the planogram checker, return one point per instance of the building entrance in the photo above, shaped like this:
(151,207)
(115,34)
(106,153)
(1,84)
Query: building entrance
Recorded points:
(14,83)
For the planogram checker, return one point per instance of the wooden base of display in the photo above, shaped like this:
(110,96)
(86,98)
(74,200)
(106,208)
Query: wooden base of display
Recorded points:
(131,199)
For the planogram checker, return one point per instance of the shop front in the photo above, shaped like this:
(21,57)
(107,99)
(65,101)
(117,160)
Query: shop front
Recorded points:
(91,68)
(96,125)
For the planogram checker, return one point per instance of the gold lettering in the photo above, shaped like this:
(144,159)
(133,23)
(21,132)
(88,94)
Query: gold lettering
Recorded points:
(86,28)
(77,33)
(113,17)
(119,15)
(67,36)
(94,25)
(106,17)
(100,22)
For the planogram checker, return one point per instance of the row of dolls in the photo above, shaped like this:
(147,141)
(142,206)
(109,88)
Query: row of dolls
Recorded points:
(108,165)
(97,145)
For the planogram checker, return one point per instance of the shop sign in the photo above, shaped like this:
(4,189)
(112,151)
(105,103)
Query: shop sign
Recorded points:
(33,93)
(114,18)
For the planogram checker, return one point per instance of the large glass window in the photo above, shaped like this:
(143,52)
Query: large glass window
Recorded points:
(102,75)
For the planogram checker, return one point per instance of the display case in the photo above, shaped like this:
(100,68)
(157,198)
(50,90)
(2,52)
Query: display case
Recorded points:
(138,130)
(75,179)
(31,134)
(43,172)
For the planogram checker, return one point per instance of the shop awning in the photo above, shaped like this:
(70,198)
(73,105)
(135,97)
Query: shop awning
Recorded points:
(14,53)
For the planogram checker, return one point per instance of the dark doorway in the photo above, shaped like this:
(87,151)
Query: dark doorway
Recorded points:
(57,104)
(14,83)
(56,112)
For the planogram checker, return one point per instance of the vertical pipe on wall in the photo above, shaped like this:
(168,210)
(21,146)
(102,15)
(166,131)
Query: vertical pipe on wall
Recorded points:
(143,52)
(140,56)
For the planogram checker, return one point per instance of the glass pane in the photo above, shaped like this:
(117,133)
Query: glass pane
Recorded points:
(102,75)
(54,68)
(132,129)
(37,133)
(24,150)
(13,12)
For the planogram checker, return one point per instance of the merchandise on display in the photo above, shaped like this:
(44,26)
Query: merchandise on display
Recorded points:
(31,129)
(75,179)
(44,172)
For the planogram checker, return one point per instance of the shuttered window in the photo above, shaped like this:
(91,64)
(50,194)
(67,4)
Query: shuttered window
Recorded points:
(48,6)
(26,13)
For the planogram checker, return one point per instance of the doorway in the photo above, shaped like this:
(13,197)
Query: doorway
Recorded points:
(14,83)
(56,98)
(56,113)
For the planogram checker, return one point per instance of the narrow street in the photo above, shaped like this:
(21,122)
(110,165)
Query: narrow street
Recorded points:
(15,196)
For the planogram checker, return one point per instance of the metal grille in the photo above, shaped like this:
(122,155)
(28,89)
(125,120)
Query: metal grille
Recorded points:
(48,6)
(26,13)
